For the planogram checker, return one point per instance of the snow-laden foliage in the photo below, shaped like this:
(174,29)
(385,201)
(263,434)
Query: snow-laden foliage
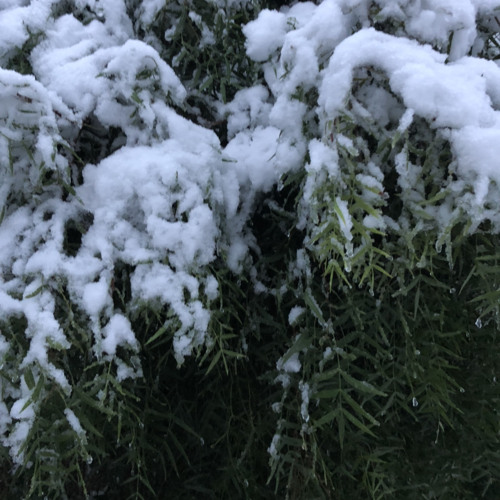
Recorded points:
(266,228)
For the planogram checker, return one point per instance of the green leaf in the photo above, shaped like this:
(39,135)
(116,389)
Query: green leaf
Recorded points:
(301,342)
(36,393)
(87,425)
(341,427)
(337,210)
(97,405)
(355,421)
(207,83)
(223,91)
(360,203)
(382,271)
(28,402)
(157,334)
(313,306)
(328,375)
(395,139)
(362,386)
(493,296)
(214,361)
(332,269)
(440,195)
(326,419)
(326,394)
(38,388)
(358,409)
(233,354)
(28,378)
(35,293)
(135,97)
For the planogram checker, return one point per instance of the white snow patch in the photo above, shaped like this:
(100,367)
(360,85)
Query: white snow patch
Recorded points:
(294,314)
(74,422)
(118,332)
(265,35)
(291,365)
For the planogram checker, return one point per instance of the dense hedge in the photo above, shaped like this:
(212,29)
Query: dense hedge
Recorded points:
(247,251)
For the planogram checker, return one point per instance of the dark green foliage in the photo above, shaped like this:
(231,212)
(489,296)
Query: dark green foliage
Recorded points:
(391,402)
(205,46)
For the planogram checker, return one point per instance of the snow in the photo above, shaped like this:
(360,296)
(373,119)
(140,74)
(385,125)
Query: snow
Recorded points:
(29,115)
(323,161)
(96,296)
(159,210)
(291,365)
(149,10)
(406,120)
(273,447)
(17,19)
(253,153)
(21,410)
(265,35)
(94,71)
(44,332)
(344,218)
(211,288)
(248,110)
(155,281)
(16,439)
(74,422)
(474,143)
(389,53)
(170,199)
(118,332)
(294,314)
(460,97)
(305,392)
(455,96)
(5,418)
